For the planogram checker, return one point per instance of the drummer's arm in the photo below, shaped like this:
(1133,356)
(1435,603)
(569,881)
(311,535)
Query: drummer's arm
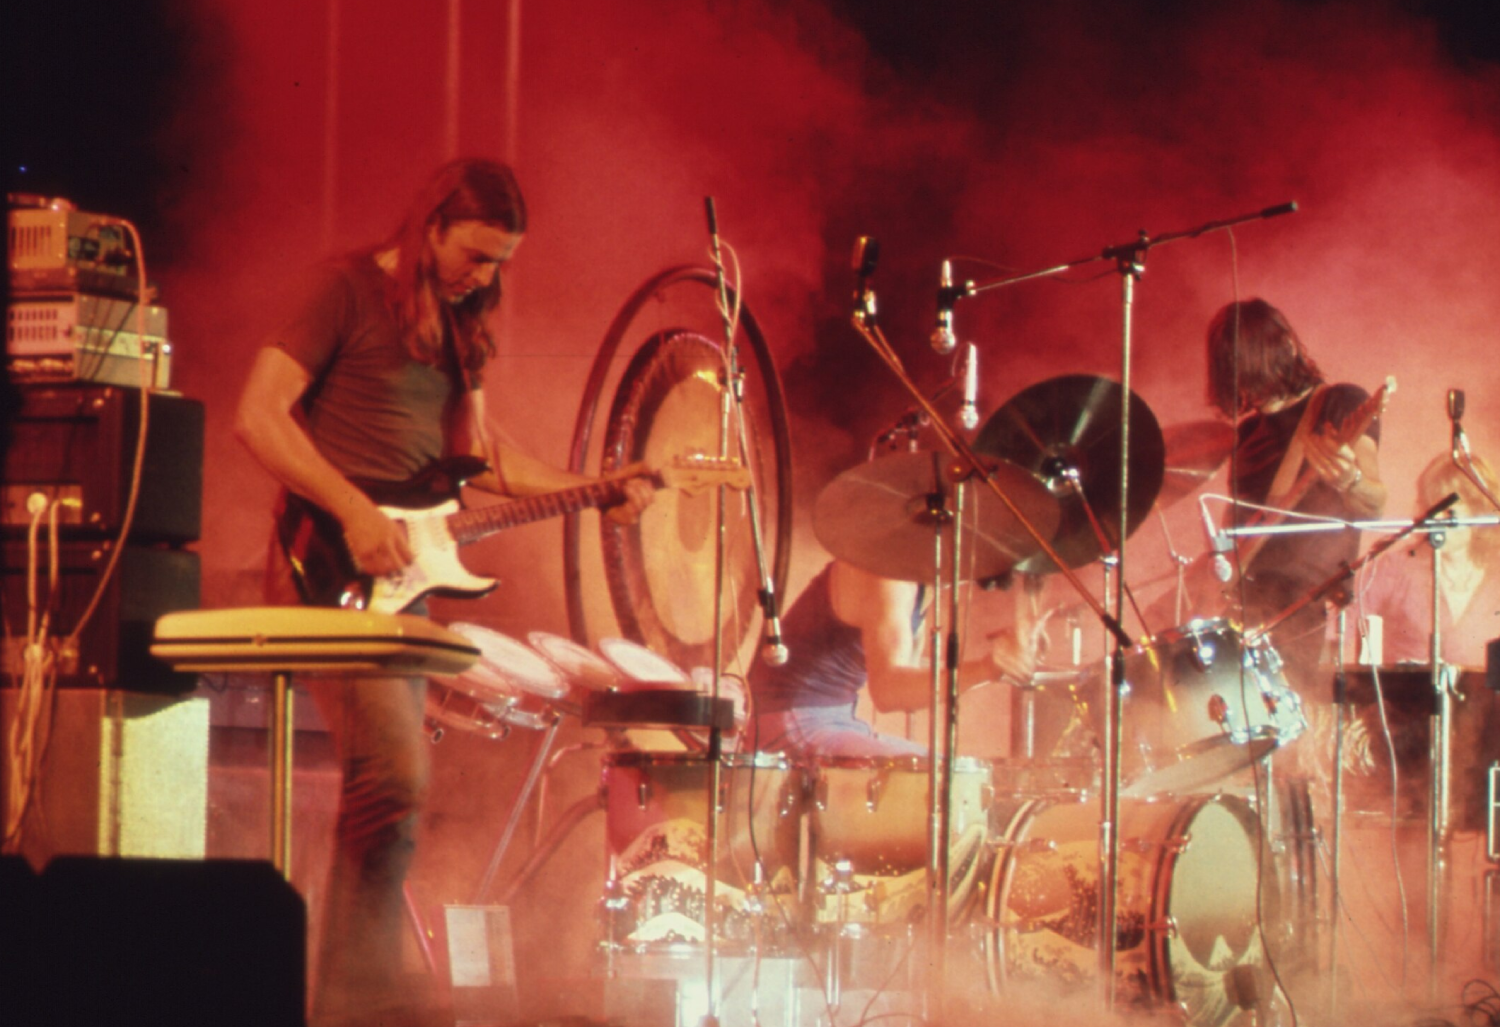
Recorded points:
(881,609)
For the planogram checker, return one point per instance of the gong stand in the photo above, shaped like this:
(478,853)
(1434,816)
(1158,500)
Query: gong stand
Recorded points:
(1129,260)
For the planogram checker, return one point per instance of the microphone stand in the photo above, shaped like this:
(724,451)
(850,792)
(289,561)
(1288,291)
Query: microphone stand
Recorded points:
(1129,259)
(731,420)
(967,464)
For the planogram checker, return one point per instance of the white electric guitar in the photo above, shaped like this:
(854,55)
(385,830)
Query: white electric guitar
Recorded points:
(428,510)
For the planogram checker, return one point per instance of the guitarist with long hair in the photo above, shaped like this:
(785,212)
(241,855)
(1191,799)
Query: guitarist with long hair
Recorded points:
(377,376)
(1304,445)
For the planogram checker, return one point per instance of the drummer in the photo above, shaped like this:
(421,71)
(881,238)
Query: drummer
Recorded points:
(849,630)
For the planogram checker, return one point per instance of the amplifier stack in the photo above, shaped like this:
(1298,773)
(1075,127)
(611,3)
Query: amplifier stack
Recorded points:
(75,295)
(85,354)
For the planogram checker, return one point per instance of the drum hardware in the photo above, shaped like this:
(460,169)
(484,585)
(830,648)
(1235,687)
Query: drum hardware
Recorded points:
(1129,261)
(1167,927)
(1440,749)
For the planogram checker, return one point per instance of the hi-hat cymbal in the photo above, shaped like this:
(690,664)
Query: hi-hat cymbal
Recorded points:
(880,517)
(1072,424)
(1195,450)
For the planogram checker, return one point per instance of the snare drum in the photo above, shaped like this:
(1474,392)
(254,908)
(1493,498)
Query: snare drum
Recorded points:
(1201,705)
(872,811)
(656,821)
(1185,915)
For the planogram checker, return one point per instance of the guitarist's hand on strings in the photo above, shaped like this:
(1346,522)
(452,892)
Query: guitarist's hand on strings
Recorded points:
(377,544)
(1349,469)
(1334,461)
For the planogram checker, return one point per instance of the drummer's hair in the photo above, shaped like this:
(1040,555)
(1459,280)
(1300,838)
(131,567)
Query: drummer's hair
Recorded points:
(1272,362)
(1441,477)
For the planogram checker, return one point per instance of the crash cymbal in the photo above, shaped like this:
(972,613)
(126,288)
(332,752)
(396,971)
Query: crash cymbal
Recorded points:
(880,517)
(1195,451)
(1073,423)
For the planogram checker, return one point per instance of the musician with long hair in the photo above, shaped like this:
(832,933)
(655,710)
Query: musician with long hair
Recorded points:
(1291,424)
(1398,586)
(377,376)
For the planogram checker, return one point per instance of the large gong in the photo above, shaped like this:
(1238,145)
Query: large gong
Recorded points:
(660,375)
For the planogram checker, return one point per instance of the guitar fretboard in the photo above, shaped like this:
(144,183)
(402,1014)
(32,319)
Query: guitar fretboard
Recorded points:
(472,525)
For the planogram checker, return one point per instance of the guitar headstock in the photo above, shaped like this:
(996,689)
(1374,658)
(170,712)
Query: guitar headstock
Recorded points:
(695,472)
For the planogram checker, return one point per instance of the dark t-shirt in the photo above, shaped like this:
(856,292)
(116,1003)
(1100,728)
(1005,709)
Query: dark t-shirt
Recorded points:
(1288,566)
(371,409)
(827,665)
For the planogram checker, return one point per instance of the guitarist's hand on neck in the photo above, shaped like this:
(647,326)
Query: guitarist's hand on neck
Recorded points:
(639,494)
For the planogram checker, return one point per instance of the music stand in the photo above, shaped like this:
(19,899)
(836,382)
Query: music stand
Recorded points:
(284,640)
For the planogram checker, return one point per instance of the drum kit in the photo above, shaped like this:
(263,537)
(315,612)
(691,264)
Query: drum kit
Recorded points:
(819,855)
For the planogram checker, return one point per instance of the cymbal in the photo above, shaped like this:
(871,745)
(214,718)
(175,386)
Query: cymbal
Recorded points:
(880,517)
(1072,423)
(1195,450)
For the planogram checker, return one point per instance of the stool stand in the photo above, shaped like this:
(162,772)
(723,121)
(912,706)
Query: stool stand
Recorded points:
(284,639)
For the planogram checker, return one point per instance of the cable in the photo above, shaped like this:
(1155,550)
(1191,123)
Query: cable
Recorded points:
(31,729)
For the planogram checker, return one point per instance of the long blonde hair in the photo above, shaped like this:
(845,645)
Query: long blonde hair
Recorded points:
(1441,477)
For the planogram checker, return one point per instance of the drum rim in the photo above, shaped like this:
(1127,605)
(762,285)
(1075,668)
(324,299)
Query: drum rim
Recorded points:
(1185,630)
(962,764)
(549,682)
(631,758)
(1161,946)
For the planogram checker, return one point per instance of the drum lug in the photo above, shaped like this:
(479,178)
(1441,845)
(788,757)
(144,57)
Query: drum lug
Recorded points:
(873,789)
(820,793)
(643,793)
(788,804)
(1167,926)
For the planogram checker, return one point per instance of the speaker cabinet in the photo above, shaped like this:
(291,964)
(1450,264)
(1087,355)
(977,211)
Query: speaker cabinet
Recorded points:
(78,443)
(115,648)
(124,775)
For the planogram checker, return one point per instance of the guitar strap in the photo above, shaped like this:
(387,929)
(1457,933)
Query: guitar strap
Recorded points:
(1291,460)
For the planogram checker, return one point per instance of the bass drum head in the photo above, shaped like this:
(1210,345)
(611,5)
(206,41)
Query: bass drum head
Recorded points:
(1185,919)
(658,375)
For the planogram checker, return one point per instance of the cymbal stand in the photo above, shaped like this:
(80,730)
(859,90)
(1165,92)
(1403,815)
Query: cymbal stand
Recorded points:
(967,464)
(1129,260)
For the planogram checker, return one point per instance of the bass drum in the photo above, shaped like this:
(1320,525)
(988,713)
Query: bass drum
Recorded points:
(1185,915)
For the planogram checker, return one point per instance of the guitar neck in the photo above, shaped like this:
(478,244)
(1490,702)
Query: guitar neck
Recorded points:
(471,525)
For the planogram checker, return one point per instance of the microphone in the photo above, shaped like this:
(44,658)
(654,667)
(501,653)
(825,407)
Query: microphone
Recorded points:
(1220,543)
(1456,415)
(968,411)
(774,652)
(943,339)
(866,257)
